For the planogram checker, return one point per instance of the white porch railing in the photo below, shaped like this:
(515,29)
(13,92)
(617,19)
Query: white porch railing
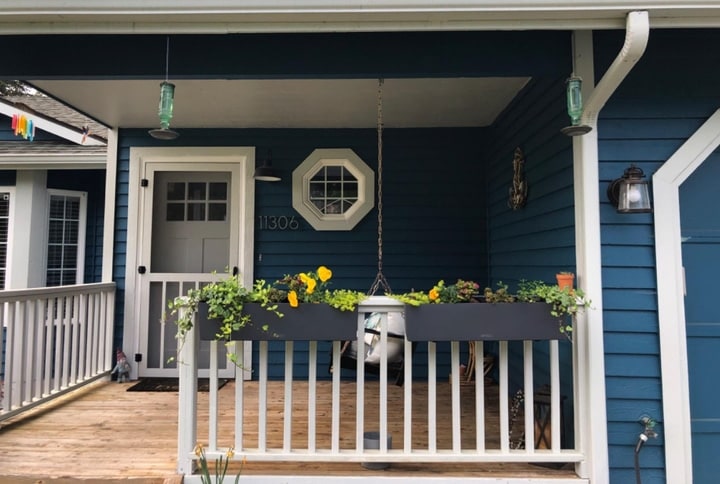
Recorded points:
(53,340)
(459,450)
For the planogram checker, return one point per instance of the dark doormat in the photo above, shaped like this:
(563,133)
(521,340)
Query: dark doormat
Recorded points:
(170,385)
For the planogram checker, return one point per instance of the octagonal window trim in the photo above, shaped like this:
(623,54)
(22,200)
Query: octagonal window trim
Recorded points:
(351,187)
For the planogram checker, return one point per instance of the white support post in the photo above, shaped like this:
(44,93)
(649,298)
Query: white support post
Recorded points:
(188,352)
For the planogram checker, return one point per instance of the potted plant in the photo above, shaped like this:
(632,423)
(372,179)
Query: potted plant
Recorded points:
(305,308)
(565,279)
(537,312)
(225,310)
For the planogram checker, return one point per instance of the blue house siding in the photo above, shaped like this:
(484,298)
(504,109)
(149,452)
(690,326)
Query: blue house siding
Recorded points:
(433,213)
(536,241)
(667,96)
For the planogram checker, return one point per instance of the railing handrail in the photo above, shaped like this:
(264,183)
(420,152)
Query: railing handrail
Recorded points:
(7,295)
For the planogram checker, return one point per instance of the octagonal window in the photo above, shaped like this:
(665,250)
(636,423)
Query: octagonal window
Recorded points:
(333,189)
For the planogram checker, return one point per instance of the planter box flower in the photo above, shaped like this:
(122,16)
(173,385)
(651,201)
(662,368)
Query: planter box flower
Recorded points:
(481,321)
(307,322)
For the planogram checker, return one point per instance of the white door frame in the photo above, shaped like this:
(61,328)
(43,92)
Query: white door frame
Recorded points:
(139,157)
(671,294)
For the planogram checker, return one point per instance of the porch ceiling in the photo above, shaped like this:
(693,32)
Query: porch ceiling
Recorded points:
(299,103)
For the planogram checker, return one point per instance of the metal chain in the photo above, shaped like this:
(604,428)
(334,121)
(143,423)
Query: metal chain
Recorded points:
(380,280)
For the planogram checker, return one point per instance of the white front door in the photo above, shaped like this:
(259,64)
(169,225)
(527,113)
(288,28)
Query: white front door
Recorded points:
(192,215)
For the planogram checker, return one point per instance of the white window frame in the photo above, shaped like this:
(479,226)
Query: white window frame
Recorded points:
(80,267)
(319,159)
(8,256)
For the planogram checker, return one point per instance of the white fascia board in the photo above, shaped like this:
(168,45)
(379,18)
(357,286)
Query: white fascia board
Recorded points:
(53,162)
(223,16)
(49,126)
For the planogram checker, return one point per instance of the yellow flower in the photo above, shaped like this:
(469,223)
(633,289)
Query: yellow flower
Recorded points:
(304,277)
(311,283)
(230,452)
(324,273)
(198,450)
(433,294)
(293,299)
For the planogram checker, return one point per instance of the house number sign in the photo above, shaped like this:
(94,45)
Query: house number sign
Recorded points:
(277,222)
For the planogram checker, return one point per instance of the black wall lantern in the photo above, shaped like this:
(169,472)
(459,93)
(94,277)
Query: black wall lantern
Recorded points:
(630,193)
(575,108)
(266,172)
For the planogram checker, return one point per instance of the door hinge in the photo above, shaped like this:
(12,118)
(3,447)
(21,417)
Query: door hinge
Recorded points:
(144,182)
(142,269)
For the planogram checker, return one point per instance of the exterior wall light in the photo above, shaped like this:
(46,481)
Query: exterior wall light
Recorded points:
(575,108)
(630,193)
(266,172)
(165,108)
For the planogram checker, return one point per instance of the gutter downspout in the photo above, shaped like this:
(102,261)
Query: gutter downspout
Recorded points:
(592,417)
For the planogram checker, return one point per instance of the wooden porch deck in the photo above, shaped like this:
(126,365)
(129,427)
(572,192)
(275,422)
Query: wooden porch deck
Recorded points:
(105,432)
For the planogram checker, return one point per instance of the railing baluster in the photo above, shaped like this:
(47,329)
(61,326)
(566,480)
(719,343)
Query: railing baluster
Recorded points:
(213,397)
(455,391)
(383,382)
(239,348)
(312,396)
(262,397)
(360,386)
(335,424)
(432,397)
(555,416)
(479,397)
(407,420)
(503,388)
(288,407)
(529,397)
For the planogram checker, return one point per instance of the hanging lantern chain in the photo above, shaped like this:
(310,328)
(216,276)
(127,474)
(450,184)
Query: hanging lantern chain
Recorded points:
(167,58)
(380,280)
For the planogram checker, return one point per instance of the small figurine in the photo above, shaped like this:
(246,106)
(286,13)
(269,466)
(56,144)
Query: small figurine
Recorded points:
(122,368)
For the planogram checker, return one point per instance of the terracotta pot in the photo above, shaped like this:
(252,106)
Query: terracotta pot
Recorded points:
(565,280)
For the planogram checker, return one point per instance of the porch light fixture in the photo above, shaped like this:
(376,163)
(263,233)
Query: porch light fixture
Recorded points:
(629,193)
(165,108)
(575,108)
(266,172)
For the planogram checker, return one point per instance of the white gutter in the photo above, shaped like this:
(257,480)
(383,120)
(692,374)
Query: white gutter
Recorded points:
(228,16)
(587,234)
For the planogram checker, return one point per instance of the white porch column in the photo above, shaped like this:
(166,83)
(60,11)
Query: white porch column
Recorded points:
(29,228)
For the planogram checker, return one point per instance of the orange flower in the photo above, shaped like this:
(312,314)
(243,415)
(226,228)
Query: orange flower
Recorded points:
(434,294)
(324,273)
(311,283)
(293,299)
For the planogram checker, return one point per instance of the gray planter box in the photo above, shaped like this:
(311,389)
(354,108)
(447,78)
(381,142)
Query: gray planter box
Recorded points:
(308,322)
(480,322)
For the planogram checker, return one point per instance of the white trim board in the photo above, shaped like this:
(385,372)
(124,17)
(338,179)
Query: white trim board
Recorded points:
(670,294)
(50,126)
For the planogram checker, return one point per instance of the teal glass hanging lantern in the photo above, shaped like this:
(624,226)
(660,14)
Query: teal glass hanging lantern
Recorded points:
(575,107)
(165,107)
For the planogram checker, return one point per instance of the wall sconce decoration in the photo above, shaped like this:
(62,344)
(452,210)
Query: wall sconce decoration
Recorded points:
(519,188)
(629,193)
(266,172)
(575,108)
(165,108)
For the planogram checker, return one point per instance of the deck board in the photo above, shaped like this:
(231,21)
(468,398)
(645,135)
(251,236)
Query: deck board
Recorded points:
(103,431)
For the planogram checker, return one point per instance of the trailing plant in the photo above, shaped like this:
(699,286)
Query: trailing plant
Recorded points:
(460,292)
(499,295)
(563,302)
